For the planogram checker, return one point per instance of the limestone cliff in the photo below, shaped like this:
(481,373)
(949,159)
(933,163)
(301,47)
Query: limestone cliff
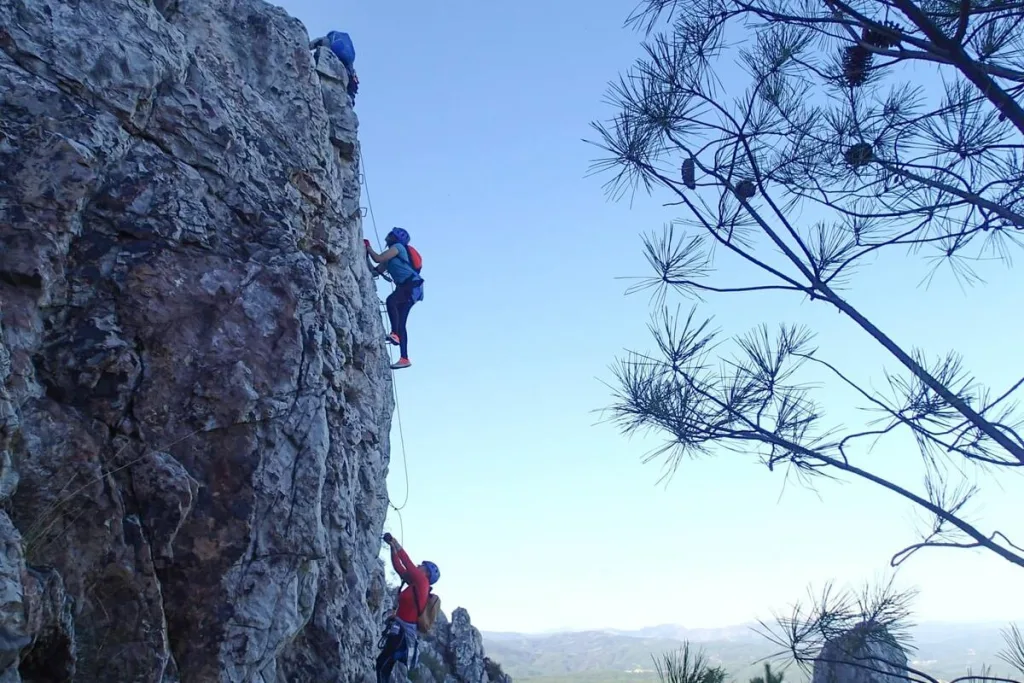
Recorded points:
(194,398)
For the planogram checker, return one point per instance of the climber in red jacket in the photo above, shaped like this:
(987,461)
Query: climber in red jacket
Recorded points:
(400,632)
(413,600)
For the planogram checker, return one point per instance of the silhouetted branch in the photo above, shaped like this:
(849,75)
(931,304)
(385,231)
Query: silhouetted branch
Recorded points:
(866,632)
(1014,653)
(826,119)
(686,666)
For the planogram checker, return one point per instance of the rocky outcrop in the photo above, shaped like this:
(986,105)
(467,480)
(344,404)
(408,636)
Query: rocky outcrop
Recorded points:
(866,653)
(453,652)
(194,398)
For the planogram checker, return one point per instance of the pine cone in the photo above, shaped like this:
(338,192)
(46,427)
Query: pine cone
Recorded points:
(860,154)
(856,63)
(882,40)
(745,189)
(689,178)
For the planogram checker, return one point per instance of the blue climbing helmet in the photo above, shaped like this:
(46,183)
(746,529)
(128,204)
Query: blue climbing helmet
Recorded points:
(433,573)
(398,235)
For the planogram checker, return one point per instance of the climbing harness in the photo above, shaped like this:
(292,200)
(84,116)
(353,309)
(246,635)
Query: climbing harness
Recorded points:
(393,627)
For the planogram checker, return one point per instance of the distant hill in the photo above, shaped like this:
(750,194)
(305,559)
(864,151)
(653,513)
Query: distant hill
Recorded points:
(617,656)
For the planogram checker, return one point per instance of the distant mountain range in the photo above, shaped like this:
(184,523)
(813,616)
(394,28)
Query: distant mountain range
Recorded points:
(944,650)
(743,632)
(669,631)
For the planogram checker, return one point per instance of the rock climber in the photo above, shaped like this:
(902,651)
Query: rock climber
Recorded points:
(400,631)
(340,43)
(403,264)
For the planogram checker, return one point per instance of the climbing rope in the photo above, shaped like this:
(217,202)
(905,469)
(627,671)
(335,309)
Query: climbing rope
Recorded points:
(401,436)
(394,384)
(369,202)
(401,523)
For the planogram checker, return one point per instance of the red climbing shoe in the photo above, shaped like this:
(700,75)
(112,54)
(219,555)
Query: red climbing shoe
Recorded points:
(402,363)
(393,339)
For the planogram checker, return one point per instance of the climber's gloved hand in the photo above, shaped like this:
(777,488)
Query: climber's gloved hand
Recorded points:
(366,243)
(388,538)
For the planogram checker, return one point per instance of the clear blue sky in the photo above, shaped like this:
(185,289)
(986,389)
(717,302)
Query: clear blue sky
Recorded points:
(471,119)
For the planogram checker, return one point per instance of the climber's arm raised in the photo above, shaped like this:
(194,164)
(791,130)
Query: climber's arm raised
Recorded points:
(400,559)
(382,257)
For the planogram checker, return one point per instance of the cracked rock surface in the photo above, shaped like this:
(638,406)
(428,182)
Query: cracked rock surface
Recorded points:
(194,396)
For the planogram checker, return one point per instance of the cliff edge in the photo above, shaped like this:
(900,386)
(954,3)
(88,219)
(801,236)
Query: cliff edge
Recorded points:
(194,397)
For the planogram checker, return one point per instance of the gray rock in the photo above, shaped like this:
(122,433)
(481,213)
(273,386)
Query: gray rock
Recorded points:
(36,634)
(53,652)
(453,652)
(466,647)
(866,653)
(14,630)
(194,398)
(8,423)
(344,124)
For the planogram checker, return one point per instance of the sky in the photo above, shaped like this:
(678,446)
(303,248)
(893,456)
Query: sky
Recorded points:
(540,515)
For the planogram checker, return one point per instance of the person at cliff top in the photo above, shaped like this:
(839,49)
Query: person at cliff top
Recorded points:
(403,264)
(340,43)
(400,634)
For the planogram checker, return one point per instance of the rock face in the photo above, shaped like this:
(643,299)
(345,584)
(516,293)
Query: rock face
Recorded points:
(866,653)
(453,652)
(194,397)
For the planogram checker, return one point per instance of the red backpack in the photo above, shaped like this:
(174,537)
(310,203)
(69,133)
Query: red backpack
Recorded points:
(415,260)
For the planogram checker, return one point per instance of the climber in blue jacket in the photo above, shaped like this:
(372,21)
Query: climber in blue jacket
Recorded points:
(403,264)
(340,43)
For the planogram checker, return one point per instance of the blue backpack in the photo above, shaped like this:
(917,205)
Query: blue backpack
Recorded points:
(341,45)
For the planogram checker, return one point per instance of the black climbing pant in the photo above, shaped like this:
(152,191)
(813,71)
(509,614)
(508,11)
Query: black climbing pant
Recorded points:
(399,303)
(386,658)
